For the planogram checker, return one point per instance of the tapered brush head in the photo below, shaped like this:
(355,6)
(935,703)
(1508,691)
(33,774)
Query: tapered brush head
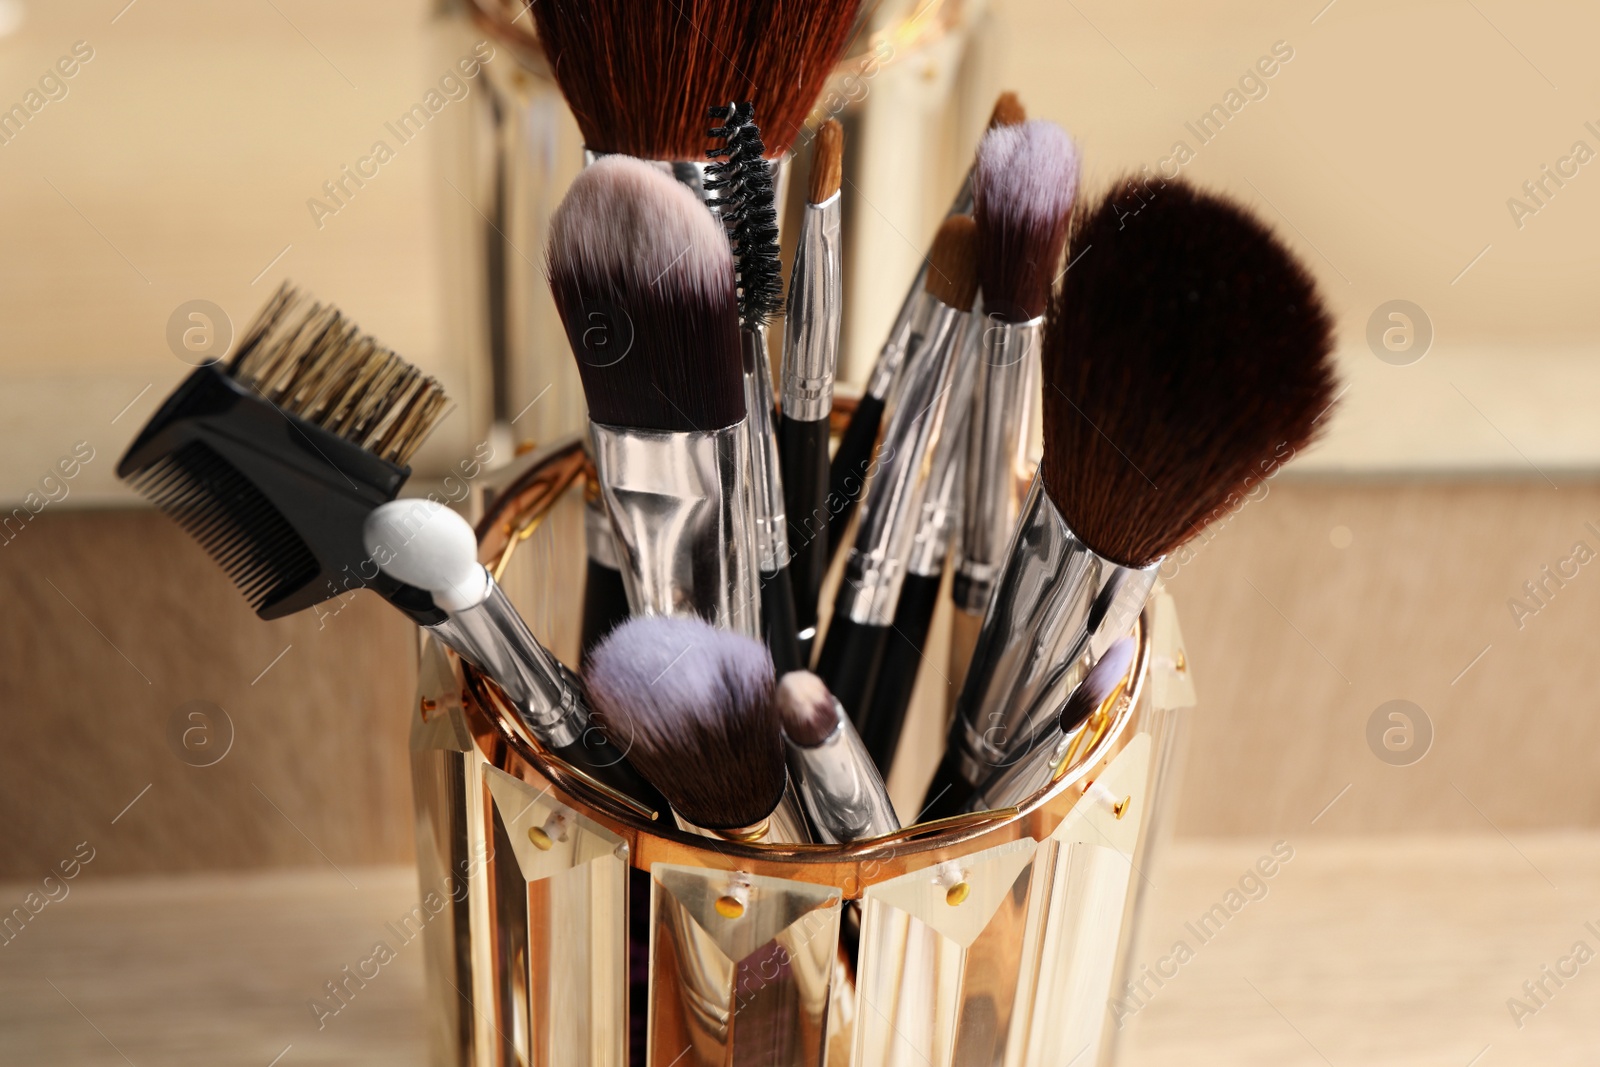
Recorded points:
(638,74)
(1186,355)
(1008,111)
(806,709)
(692,706)
(1023,188)
(643,279)
(827,162)
(1098,685)
(953,263)
(273,461)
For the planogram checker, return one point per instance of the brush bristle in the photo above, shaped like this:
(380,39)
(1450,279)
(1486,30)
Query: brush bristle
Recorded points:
(1023,187)
(827,162)
(643,279)
(1008,111)
(746,201)
(953,263)
(692,706)
(1096,686)
(1185,356)
(306,358)
(638,74)
(806,708)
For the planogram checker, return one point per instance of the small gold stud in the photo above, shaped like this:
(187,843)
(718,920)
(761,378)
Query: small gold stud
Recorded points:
(429,706)
(1181,664)
(957,894)
(730,907)
(541,840)
(1120,808)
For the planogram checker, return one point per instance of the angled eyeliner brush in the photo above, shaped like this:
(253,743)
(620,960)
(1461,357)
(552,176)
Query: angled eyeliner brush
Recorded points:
(852,460)
(810,359)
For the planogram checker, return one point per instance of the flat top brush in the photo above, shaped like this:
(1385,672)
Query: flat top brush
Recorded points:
(1023,189)
(693,707)
(853,458)
(1185,355)
(843,794)
(643,279)
(638,73)
(810,360)
(273,461)
(876,570)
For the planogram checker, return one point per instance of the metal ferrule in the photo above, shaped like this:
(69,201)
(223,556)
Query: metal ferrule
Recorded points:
(493,637)
(892,506)
(941,508)
(905,336)
(785,825)
(1042,765)
(840,788)
(679,506)
(1057,607)
(766,482)
(1005,388)
(598,540)
(811,329)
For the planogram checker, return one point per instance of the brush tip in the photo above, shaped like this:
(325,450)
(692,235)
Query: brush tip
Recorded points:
(693,708)
(1098,684)
(953,263)
(806,708)
(827,162)
(1008,111)
(1023,185)
(423,543)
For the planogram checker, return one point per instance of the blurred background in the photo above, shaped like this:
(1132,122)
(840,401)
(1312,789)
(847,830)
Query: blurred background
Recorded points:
(1391,640)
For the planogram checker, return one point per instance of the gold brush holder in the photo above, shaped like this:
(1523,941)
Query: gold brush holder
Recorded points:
(989,939)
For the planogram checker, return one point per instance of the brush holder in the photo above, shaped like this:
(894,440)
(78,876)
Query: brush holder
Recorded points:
(564,922)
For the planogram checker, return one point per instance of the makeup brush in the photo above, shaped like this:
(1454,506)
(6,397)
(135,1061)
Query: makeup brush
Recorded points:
(1023,187)
(427,546)
(742,196)
(1046,758)
(840,789)
(695,704)
(605,598)
(810,360)
(639,73)
(1185,355)
(865,603)
(852,460)
(643,279)
(273,460)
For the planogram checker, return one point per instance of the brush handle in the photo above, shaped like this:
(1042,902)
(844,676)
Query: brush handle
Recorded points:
(803,452)
(778,622)
(605,604)
(885,713)
(849,662)
(949,793)
(848,473)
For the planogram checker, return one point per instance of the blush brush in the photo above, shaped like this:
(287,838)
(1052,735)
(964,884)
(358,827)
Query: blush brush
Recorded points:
(1185,354)
(635,260)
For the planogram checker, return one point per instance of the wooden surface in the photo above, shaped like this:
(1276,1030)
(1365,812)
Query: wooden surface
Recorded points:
(1361,952)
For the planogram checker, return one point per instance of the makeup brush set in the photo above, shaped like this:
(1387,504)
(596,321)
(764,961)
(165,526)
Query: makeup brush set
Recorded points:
(1073,387)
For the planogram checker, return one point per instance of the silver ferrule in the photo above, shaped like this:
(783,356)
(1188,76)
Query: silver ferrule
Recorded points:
(493,637)
(1057,607)
(766,482)
(905,336)
(941,508)
(1004,391)
(679,506)
(892,506)
(811,328)
(785,825)
(840,788)
(598,541)
(1039,767)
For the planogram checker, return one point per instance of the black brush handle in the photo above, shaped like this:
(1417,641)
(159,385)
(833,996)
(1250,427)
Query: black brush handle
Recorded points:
(897,674)
(778,622)
(848,473)
(849,662)
(605,605)
(948,793)
(803,452)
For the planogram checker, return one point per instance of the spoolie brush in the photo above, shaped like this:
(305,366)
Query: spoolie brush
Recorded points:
(743,199)
(273,461)
(637,73)
(643,279)
(852,460)
(1185,356)
(693,707)
(1023,188)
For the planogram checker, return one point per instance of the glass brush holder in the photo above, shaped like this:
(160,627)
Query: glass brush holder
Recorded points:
(573,925)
